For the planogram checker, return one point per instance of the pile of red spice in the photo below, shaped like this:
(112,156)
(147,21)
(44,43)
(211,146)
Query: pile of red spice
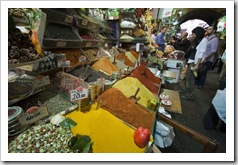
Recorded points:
(147,78)
(123,108)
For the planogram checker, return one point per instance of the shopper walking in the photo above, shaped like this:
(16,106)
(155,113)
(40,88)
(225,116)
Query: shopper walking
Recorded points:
(160,39)
(207,60)
(197,49)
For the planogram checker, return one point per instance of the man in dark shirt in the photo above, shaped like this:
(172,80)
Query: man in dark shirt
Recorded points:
(183,43)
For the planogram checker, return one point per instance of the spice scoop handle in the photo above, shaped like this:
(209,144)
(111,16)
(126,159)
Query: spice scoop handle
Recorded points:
(137,91)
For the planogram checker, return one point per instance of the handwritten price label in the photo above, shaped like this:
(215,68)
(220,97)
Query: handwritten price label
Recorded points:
(88,44)
(84,22)
(78,93)
(29,118)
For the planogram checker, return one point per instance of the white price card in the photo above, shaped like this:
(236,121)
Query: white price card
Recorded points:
(68,19)
(111,17)
(84,22)
(88,44)
(78,93)
(29,118)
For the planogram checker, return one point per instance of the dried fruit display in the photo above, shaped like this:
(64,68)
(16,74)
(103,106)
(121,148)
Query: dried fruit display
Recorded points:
(20,47)
(57,31)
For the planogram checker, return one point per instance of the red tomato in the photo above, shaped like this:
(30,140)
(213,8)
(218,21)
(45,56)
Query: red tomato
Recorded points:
(141,137)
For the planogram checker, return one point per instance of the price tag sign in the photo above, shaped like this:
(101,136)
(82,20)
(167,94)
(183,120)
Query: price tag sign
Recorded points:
(78,93)
(68,19)
(88,44)
(63,63)
(111,17)
(29,118)
(84,22)
(94,26)
(60,44)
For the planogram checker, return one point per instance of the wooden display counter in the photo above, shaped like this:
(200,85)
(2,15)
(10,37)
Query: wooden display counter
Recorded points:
(174,98)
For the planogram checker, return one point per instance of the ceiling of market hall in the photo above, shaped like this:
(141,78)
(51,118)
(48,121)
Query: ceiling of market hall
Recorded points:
(208,15)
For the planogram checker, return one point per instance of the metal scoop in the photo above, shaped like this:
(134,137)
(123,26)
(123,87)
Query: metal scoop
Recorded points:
(114,61)
(144,73)
(133,97)
(84,75)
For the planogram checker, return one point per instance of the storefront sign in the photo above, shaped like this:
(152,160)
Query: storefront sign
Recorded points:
(78,93)
(29,118)
(166,12)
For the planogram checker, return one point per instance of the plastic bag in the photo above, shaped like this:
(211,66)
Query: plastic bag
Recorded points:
(164,133)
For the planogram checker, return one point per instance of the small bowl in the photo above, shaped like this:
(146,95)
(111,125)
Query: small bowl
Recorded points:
(164,97)
(166,102)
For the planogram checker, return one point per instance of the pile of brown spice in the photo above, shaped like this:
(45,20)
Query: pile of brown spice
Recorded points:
(125,109)
(71,54)
(147,78)
(126,60)
(105,65)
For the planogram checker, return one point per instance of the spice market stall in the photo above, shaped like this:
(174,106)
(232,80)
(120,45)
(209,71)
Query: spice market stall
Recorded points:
(79,91)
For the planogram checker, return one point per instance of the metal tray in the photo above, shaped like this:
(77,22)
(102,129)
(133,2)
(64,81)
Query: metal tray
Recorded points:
(15,111)
(19,89)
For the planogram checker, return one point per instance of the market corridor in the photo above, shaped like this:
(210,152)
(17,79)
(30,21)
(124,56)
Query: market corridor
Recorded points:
(192,115)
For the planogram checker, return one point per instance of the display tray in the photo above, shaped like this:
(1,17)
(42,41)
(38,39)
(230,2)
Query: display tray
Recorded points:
(60,43)
(139,40)
(35,63)
(90,53)
(13,112)
(60,16)
(19,89)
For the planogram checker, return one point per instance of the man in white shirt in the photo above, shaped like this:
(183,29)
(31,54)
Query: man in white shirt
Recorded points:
(154,35)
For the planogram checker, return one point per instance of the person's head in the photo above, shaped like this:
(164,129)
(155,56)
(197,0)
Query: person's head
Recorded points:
(155,32)
(211,30)
(198,33)
(164,29)
(184,35)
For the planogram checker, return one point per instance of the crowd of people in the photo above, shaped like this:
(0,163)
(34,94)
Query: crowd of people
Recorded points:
(202,51)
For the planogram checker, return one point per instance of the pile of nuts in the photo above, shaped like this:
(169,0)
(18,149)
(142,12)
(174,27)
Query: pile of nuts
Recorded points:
(47,138)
